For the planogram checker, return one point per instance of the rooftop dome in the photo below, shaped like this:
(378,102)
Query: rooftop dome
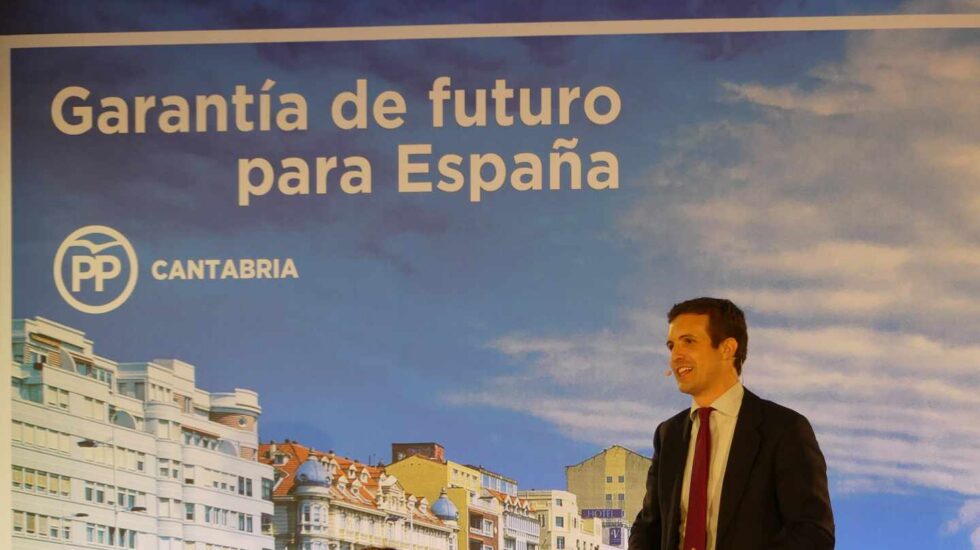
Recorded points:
(312,472)
(444,508)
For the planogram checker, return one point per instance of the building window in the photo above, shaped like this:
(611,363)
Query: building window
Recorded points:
(101,534)
(189,511)
(39,525)
(185,403)
(622,479)
(608,479)
(557,502)
(95,408)
(559,521)
(266,489)
(57,397)
(169,468)
(560,543)
(37,481)
(127,498)
(244,486)
(95,492)
(31,392)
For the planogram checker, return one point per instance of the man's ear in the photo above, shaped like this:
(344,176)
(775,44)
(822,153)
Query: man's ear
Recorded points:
(728,348)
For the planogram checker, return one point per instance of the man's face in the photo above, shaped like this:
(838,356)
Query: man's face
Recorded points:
(699,368)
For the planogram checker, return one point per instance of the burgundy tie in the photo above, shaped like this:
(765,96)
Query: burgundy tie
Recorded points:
(696,532)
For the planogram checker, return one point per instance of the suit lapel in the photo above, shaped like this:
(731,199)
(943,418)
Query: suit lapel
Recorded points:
(745,445)
(674,460)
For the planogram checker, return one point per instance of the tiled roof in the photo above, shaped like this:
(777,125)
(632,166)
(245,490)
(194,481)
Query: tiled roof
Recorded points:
(342,487)
(509,500)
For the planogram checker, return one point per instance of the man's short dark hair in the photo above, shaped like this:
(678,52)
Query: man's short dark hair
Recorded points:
(725,320)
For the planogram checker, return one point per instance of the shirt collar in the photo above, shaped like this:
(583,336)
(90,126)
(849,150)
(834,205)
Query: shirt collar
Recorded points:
(728,404)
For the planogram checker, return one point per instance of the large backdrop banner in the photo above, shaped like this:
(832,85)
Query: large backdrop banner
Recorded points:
(232,251)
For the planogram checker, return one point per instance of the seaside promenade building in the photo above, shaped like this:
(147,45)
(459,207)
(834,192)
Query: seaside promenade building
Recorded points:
(614,479)
(562,527)
(424,470)
(520,529)
(324,501)
(129,455)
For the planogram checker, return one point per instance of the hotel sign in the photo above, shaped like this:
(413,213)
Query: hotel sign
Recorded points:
(602,513)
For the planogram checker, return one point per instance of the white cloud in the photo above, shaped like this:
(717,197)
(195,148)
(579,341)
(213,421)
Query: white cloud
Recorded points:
(846,219)
(968,518)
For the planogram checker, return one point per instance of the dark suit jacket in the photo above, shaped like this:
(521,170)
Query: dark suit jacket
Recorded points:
(774,495)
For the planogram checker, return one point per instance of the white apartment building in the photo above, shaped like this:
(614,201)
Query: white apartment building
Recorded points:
(131,456)
(562,526)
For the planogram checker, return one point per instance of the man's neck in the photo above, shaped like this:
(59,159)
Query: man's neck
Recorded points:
(709,396)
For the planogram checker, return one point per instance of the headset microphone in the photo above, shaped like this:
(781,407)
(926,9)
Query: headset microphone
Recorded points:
(668,372)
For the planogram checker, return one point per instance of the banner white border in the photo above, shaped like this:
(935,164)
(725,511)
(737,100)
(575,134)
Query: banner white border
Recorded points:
(499,30)
(358,34)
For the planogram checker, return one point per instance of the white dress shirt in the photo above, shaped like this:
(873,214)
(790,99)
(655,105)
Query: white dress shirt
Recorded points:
(722,422)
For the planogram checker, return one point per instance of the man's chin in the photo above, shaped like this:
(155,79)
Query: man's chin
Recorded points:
(685,387)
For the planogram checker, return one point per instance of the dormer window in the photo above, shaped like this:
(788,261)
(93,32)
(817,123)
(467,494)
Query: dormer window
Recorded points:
(364,477)
(281,459)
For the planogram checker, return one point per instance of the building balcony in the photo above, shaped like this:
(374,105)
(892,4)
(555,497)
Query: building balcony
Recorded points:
(241,400)
(479,531)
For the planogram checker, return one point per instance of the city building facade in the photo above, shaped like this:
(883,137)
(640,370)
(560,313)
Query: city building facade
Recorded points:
(562,527)
(424,470)
(614,479)
(129,455)
(615,527)
(519,528)
(324,501)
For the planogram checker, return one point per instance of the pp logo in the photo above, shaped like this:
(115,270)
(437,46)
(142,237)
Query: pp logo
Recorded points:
(99,256)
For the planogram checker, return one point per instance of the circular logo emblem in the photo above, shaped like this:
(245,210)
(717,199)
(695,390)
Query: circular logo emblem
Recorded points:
(99,258)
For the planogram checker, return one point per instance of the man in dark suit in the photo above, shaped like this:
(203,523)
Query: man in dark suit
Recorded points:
(733,472)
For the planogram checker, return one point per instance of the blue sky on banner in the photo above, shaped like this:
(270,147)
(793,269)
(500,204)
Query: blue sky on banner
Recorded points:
(825,181)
